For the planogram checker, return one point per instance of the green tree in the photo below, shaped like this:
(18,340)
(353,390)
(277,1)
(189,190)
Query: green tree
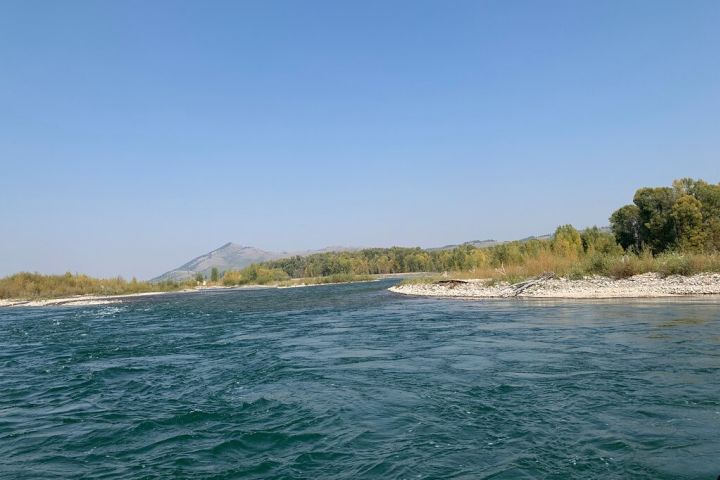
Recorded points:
(214,274)
(625,225)
(657,227)
(711,229)
(687,215)
(505,254)
(199,278)
(595,240)
(709,197)
(567,242)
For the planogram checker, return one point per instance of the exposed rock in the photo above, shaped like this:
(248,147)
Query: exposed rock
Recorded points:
(639,286)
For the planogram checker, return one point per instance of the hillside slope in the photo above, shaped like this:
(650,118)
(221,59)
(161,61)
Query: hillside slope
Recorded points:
(231,256)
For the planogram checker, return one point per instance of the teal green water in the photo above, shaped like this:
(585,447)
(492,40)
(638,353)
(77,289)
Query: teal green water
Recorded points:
(352,381)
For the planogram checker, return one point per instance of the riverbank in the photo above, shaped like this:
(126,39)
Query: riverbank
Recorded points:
(647,285)
(83,300)
(76,300)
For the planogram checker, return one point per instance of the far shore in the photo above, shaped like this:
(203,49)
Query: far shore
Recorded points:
(83,300)
(80,300)
(647,285)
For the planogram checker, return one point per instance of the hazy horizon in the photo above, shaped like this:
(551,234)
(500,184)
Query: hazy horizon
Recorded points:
(136,136)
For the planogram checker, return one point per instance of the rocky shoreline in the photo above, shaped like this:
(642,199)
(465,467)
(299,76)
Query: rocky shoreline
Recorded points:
(83,300)
(78,300)
(648,285)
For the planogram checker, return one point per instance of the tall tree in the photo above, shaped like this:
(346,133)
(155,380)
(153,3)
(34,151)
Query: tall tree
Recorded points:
(687,215)
(567,241)
(657,227)
(625,225)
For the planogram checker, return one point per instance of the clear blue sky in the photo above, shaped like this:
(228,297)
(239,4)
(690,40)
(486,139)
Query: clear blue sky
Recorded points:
(135,135)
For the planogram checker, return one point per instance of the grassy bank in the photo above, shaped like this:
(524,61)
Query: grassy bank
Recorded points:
(604,264)
(36,286)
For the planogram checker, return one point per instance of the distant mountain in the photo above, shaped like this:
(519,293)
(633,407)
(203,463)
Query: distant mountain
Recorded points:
(232,256)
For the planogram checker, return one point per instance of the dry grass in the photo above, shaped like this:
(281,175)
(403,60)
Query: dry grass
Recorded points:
(614,266)
(35,286)
(432,278)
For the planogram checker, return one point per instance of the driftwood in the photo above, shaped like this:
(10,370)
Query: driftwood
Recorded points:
(517,288)
(451,283)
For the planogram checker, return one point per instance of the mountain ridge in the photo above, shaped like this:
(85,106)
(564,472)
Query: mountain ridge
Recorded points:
(233,256)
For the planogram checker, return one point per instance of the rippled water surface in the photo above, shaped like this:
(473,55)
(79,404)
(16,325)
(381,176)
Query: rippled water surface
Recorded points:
(355,382)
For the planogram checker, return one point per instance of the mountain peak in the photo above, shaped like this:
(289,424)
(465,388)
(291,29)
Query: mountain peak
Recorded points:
(230,256)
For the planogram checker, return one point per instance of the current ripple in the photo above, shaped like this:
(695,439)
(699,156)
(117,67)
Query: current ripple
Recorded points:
(352,381)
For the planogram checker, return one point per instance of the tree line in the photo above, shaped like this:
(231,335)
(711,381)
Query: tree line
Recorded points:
(667,229)
(684,217)
(671,230)
(567,243)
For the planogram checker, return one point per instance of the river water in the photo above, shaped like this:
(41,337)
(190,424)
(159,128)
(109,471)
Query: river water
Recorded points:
(352,381)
